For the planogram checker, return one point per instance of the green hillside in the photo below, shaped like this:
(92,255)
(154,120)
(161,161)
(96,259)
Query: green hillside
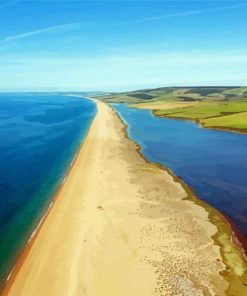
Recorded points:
(183,94)
(214,107)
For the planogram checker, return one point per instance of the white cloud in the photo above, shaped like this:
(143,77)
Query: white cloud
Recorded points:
(37,32)
(186,13)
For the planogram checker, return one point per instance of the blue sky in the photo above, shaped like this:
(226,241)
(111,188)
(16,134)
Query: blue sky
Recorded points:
(121,45)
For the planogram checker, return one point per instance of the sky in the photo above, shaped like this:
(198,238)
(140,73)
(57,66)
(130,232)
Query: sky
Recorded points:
(121,45)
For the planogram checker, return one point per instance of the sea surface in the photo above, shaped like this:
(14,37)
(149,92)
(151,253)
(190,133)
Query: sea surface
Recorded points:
(39,138)
(213,163)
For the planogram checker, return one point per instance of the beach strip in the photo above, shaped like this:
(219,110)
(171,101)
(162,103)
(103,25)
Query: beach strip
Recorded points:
(121,226)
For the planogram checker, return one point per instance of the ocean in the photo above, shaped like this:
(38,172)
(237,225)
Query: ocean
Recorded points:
(39,137)
(213,163)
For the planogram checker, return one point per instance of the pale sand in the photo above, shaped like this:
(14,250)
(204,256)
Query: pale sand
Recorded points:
(121,227)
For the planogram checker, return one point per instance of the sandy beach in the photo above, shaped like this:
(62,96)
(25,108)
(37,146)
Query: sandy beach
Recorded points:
(121,226)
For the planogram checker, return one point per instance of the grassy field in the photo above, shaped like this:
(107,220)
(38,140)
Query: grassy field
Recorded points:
(205,110)
(235,122)
(214,107)
(227,115)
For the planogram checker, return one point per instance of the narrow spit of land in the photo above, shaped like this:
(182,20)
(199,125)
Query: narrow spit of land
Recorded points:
(121,226)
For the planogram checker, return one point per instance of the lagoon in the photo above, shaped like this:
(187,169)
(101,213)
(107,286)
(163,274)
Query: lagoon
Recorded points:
(213,163)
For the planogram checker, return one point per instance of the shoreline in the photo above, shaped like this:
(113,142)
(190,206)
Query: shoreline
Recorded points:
(44,214)
(212,213)
(201,125)
(237,235)
(197,121)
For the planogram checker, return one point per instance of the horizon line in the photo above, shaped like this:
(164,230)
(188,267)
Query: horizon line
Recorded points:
(109,91)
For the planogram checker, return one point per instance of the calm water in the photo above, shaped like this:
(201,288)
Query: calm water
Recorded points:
(212,162)
(40,135)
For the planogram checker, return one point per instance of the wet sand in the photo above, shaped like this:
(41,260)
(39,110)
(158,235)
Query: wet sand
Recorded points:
(121,226)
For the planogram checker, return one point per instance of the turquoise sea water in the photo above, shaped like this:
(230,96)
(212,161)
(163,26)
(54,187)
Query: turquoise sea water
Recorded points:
(39,137)
(213,163)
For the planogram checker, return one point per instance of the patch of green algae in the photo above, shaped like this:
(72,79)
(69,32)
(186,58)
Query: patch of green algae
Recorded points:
(236,273)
